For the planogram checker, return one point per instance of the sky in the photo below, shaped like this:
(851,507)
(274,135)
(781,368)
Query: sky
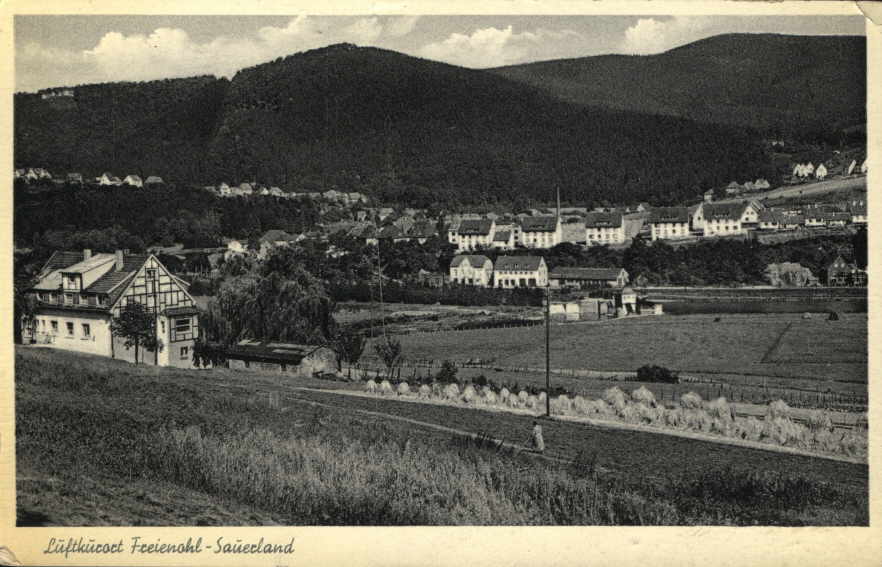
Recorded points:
(52,51)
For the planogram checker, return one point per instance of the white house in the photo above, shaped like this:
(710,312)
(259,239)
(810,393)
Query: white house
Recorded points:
(133,181)
(108,179)
(724,219)
(472,234)
(670,223)
(858,211)
(604,228)
(541,232)
(520,271)
(504,239)
(474,270)
(224,190)
(770,220)
(78,294)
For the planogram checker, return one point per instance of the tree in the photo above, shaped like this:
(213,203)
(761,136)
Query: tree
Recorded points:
(348,347)
(389,351)
(25,308)
(138,327)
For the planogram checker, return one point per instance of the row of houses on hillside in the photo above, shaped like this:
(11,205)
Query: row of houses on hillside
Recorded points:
(706,219)
(106,179)
(253,188)
(529,272)
(484,233)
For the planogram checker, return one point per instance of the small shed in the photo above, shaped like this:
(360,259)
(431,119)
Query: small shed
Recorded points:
(299,361)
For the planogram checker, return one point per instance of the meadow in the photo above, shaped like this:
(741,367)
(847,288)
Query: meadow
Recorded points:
(102,442)
(784,346)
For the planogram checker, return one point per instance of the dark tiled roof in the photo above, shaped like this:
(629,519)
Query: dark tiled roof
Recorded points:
(502,236)
(603,220)
(475,226)
(724,211)
(475,260)
(662,215)
(62,259)
(108,281)
(518,263)
(185,310)
(276,352)
(585,273)
(390,231)
(539,224)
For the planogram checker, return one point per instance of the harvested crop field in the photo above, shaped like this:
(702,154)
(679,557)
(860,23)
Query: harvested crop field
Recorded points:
(775,345)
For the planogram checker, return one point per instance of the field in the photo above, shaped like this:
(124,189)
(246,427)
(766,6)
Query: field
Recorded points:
(102,442)
(783,346)
(806,189)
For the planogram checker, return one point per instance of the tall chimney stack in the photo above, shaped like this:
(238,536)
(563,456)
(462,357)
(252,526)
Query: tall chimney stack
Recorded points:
(119,260)
(87,253)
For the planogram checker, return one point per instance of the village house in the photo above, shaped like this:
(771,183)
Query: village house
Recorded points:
(468,269)
(276,192)
(770,219)
(272,239)
(224,190)
(858,210)
(75,178)
(815,217)
(246,188)
(108,179)
(298,361)
(422,231)
(841,273)
(503,239)
(588,278)
(837,218)
(725,219)
(791,222)
(709,196)
(604,228)
(133,181)
(670,223)
(520,271)
(541,232)
(78,294)
(821,172)
(472,234)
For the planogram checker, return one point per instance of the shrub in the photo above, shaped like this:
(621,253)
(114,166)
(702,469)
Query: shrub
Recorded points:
(690,400)
(652,373)
(468,394)
(522,396)
(447,373)
(643,396)
(403,389)
(489,397)
(504,394)
(385,387)
(778,408)
(614,397)
(561,404)
(370,386)
(532,402)
(720,409)
(425,391)
(750,429)
(819,420)
(451,391)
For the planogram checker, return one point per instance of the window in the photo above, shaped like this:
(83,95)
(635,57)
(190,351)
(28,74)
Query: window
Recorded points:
(181,329)
(68,299)
(185,352)
(54,326)
(151,274)
(70,329)
(87,330)
(162,326)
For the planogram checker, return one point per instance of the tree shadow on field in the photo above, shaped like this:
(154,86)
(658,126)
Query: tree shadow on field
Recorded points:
(30,518)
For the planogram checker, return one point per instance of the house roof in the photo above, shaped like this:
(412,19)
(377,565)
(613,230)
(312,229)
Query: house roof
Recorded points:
(769,215)
(664,215)
(539,224)
(133,178)
(603,220)
(585,273)
(154,179)
(276,235)
(390,231)
(502,236)
(475,226)
(518,263)
(474,260)
(724,211)
(275,352)
(423,229)
(113,282)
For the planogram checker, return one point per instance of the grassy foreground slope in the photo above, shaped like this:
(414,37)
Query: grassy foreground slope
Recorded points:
(166,446)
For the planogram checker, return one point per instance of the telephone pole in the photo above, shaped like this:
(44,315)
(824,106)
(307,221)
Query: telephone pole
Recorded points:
(547,350)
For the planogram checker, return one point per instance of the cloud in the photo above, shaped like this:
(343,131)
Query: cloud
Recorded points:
(491,47)
(650,35)
(171,52)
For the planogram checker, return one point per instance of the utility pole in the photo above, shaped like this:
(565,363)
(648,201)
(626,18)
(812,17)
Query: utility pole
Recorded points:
(547,350)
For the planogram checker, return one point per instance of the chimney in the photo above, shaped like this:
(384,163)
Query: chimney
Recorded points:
(119,260)
(87,253)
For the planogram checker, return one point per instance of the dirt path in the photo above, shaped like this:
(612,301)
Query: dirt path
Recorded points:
(614,425)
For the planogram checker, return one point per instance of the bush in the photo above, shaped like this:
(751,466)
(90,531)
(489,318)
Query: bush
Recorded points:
(643,396)
(720,409)
(690,400)
(614,397)
(778,408)
(652,373)
(447,373)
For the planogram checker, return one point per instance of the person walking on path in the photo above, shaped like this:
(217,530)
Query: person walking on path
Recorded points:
(538,441)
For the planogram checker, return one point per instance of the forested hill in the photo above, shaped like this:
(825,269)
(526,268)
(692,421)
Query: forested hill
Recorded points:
(801,86)
(396,127)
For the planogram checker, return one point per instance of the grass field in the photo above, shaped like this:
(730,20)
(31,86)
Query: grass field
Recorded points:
(775,345)
(102,442)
